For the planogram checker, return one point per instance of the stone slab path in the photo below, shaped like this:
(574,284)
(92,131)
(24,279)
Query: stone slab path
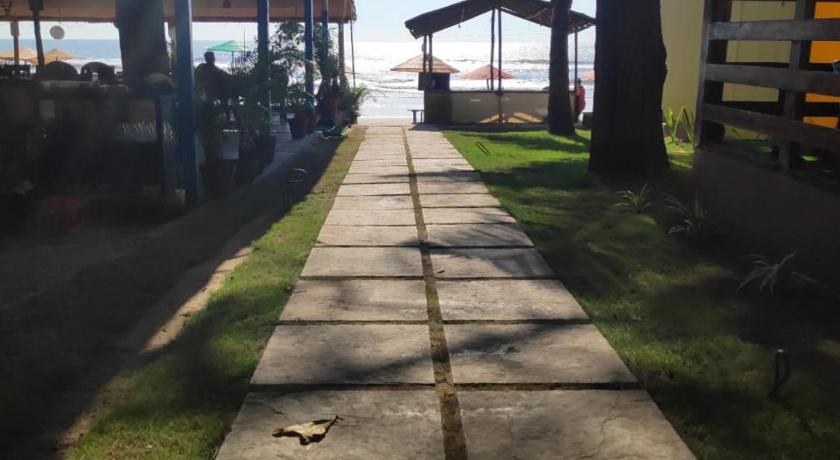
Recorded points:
(426,320)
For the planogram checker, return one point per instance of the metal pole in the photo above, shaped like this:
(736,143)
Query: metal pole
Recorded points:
(16,38)
(491,85)
(184,94)
(341,57)
(263,59)
(309,45)
(353,53)
(325,18)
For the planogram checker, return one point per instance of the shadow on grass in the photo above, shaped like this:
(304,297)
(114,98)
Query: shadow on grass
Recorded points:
(70,337)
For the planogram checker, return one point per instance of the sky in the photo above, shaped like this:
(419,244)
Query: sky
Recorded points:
(378,20)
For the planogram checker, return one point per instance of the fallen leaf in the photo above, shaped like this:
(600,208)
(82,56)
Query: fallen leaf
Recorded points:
(308,432)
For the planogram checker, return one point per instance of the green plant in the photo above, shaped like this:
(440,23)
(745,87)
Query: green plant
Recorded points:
(638,202)
(770,276)
(298,100)
(210,124)
(695,220)
(687,121)
(672,124)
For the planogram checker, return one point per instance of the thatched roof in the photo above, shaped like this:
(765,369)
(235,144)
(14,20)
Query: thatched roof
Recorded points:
(203,10)
(415,65)
(537,11)
(487,72)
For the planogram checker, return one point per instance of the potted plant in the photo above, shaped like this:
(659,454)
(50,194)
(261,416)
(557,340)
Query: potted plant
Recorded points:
(300,111)
(352,100)
(216,172)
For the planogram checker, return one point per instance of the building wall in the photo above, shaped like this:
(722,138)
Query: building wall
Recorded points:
(682,28)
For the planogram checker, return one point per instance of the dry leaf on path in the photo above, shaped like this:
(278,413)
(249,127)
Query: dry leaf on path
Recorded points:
(308,432)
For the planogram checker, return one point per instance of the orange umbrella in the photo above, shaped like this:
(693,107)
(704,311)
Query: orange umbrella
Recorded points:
(486,72)
(56,54)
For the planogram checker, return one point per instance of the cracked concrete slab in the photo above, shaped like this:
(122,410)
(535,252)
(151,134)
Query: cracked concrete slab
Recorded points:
(533,353)
(374,425)
(434,216)
(376,178)
(370,217)
(326,354)
(357,300)
(476,200)
(543,425)
(451,187)
(365,262)
(507,300)
(338,235)
(489,263)
(374,189)
(372,202)
(477,235)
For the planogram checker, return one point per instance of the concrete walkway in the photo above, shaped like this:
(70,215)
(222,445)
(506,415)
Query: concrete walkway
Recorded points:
(428,322)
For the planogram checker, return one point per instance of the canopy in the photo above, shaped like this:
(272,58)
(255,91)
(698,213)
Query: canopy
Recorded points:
(55,54)
(486,72)
(415,65)
(25,54)
(231,46)
(203,10)
(537,11)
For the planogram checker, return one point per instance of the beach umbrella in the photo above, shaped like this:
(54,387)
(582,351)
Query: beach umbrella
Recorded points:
(56,54)
(415,65)
(486,72)
(231,46)
(26,54)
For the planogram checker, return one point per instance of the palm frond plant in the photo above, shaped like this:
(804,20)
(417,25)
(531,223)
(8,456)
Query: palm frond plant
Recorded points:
(687,121)
(638,202)
(695,221)
(671,121)
(770,276)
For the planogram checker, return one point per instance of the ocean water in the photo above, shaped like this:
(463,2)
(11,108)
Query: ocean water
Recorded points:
(393,93)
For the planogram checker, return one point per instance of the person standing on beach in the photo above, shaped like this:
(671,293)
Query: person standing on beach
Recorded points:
(580,98)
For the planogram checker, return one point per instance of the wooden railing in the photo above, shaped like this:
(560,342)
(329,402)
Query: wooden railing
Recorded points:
(780,121)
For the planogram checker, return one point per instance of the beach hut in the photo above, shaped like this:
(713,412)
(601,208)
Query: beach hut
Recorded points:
(495,105)
(433,72)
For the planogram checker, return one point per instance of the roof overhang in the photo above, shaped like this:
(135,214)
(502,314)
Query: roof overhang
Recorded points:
(203,10)
(536,11)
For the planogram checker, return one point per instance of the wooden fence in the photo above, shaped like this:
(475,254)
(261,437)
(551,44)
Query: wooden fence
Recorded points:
(781,121)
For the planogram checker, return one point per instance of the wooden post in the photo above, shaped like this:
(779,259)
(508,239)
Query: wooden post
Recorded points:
(576,56)
(36,6)
(711,52)
(325,18)
(353,53)
(15,26)
(263,58)
(309,45)
(794,101)
(341,57)
(431,55)
(500,50)
(185,114)
(491,84)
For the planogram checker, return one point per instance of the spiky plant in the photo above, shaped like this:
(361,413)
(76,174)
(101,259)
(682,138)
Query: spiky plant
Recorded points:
(695,220)
(769,276)
(638,202)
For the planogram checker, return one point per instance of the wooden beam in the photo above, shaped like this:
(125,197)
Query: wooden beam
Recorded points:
(794,101)
(805,81)
(811,109)
(800,29)
(711,52)
(778,128)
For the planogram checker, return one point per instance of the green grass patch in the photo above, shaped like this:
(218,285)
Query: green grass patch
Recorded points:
(669,306)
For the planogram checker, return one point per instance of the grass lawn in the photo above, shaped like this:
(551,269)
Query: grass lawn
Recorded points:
(670,306)
(179,401)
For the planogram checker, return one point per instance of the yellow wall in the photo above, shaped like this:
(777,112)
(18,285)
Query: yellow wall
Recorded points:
(682,29)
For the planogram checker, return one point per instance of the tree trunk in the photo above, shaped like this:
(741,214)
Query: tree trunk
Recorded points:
(560,118)
(630,74)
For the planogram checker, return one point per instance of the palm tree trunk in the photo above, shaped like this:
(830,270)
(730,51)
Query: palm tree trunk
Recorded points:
(560,118)
(630,75)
